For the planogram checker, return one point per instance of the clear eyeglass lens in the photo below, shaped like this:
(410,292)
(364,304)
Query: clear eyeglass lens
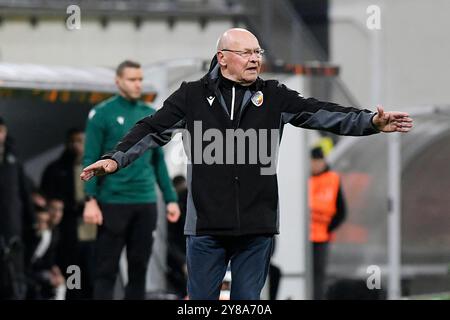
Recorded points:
(258,52)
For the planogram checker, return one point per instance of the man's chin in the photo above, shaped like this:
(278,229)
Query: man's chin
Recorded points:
(250,80)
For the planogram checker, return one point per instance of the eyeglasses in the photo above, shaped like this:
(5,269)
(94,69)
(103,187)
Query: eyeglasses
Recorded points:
(247,53)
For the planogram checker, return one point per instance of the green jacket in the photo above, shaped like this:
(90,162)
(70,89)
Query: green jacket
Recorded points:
(107,123)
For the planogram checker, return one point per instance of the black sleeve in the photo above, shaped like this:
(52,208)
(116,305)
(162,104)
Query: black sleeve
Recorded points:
(152,131)
(314,114)
(341,211)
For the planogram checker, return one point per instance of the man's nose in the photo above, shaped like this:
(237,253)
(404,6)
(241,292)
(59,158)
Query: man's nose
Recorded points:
(254,57)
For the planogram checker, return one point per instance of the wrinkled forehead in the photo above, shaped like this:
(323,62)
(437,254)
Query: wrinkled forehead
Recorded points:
(243,41)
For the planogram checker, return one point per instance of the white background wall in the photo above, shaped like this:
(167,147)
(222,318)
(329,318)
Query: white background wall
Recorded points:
(51,43)
(415,46)
(415,42)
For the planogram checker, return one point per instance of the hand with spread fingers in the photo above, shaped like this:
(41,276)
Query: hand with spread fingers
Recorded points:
(99,168)
(392,121)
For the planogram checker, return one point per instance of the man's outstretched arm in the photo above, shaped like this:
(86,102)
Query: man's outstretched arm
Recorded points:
(320,115)
(152,131)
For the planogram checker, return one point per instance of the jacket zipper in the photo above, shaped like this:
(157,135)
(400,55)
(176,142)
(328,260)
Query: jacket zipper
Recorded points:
(233,96)
(236,177)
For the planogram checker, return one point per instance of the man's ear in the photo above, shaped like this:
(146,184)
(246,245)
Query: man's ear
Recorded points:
(221,59)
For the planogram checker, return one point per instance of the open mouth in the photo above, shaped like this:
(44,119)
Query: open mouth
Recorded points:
(253,69)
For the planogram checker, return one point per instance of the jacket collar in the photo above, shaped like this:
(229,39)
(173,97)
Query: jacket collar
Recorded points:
(212,80)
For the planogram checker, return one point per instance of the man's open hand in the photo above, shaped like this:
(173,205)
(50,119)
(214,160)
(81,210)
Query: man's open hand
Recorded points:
(392,121)
(98,168)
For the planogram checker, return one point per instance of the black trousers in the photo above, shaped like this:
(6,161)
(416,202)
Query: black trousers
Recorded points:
(320,259)
(129,225)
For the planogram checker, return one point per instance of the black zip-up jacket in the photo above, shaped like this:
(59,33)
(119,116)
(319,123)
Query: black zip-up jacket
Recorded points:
(231,189)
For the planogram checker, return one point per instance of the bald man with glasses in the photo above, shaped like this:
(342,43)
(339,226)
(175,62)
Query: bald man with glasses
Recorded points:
(232,203)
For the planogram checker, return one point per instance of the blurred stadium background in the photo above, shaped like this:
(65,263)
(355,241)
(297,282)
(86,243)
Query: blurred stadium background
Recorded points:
(397,187)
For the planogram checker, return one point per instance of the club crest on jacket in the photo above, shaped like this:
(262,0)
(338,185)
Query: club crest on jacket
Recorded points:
(258,99)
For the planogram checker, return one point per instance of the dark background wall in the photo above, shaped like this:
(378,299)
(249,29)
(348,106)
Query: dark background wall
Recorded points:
(37,125)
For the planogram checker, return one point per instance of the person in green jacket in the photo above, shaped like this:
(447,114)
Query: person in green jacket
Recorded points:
(124,205)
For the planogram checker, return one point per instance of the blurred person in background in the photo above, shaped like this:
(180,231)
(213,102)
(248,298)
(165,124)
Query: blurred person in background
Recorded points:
(328,212)
(124,205)
(45,278)
(16,219)
(61,185)
(56,210)
(232,210)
